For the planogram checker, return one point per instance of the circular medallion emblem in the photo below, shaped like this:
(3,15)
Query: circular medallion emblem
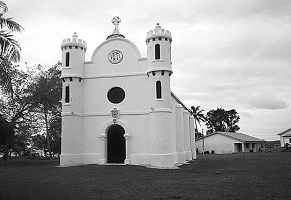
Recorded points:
(115,56)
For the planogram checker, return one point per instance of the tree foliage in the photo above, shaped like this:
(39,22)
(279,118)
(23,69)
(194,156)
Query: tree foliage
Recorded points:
(10,48)
(33,92)
(15,105)
(222,120)
(28,99)
(198,117)
(47,93)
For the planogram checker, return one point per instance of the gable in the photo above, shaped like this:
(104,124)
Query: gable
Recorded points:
(103,58)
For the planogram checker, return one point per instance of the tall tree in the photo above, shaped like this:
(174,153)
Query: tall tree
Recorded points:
(6,133)
(222,120)
(15,108)
(33,106)
(198,117)
(9,47)
(47,93)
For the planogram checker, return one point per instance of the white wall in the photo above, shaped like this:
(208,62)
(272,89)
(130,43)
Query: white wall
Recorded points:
(219,143)
(284,140)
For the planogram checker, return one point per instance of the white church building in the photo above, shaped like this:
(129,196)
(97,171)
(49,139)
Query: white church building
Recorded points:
(118,107)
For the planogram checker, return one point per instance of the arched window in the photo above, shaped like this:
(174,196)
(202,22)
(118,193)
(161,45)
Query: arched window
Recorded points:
(159,89)
(67,59)
(157,52)
(67,94)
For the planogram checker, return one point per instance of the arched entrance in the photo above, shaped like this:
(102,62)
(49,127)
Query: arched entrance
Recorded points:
(116,152)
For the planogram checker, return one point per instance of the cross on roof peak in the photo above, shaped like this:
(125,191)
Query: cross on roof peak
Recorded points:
(116,21)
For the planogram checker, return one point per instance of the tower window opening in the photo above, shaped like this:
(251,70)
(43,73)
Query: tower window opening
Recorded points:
(67,94)
(159,89)
(81,48)
(166,39)
(163,73)
(70,47)
(157,52)
(71,79)
(76,47)
(160,38)
(154,73)
(154,39)
(67,59)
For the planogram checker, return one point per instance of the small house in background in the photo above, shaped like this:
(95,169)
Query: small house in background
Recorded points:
(285,137)
(228,142)
(273,144)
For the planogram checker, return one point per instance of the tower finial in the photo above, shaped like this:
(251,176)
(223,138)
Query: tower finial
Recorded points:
(115,21)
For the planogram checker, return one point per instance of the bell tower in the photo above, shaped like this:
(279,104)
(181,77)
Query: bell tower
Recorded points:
(73,58)
(159,71)
(159,66)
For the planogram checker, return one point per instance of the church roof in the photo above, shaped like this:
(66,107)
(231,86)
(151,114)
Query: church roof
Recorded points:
(237,136)
(180,102)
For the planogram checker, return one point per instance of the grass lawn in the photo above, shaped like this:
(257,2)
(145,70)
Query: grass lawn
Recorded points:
(235,176)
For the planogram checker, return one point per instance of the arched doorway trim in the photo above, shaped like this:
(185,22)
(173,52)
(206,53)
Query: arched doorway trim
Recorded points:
(103,137)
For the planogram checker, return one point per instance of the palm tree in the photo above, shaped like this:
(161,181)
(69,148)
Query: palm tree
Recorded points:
(198,117)
(9,47)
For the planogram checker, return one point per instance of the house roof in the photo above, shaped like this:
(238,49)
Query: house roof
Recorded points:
(241,137)
(289,129)
(237,136)
(287,135)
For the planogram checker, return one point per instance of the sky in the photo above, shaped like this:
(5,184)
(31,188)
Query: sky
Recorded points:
(231,54)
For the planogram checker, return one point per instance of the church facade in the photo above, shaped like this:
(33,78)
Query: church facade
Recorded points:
(118,107)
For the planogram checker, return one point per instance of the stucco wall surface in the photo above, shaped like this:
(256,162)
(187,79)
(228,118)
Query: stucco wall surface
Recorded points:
(219,143)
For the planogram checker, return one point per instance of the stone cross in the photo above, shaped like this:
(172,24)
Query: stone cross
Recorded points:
(115,21)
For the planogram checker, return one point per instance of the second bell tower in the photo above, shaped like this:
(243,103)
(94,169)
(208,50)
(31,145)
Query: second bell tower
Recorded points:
(159,71)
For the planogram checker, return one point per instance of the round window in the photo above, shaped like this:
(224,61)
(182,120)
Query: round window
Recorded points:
(116,95)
